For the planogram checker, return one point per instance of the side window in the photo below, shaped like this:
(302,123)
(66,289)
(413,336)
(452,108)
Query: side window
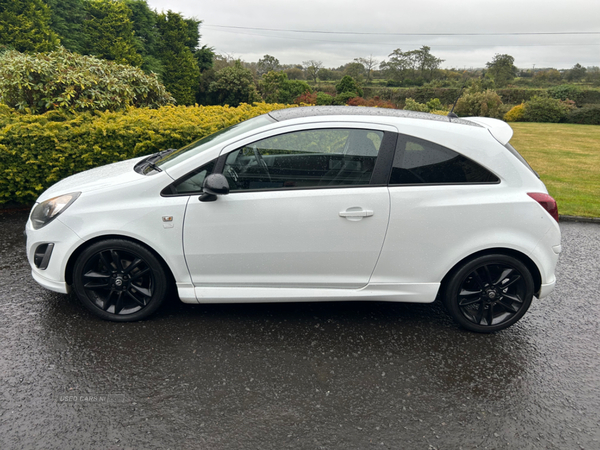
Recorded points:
(422,162)
(309,158)
(192,182)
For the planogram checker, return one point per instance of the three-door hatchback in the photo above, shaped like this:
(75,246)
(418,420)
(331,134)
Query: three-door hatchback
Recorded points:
(301,204)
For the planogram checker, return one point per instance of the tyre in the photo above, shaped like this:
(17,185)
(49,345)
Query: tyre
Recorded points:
(119,280)
(489,293)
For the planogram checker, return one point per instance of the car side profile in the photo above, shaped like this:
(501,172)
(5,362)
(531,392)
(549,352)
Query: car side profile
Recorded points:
(308,204)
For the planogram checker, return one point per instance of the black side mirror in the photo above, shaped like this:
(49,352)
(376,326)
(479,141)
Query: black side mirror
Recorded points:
(214,184)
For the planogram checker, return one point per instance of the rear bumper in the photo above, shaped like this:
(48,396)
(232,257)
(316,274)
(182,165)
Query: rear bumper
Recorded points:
(546,289)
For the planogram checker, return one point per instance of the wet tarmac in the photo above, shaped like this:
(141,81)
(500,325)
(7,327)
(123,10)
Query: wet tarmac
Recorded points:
(300,376)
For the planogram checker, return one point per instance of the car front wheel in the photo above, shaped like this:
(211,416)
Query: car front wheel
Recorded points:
(119,280)
(489,293)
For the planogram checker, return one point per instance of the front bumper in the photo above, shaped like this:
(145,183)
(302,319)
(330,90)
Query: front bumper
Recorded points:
(65,243)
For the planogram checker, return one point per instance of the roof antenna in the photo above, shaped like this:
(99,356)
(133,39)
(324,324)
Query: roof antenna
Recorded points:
(451,114)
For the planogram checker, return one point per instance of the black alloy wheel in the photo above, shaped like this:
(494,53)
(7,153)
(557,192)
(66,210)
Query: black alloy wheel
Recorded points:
(119,280)
(489,293)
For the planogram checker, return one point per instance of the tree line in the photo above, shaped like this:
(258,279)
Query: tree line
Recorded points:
(167,44)
(126,32)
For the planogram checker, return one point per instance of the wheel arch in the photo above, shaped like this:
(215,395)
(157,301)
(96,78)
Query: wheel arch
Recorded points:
(529,263)
(71,262)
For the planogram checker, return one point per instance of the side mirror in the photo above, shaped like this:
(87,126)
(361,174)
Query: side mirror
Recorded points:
(214,184)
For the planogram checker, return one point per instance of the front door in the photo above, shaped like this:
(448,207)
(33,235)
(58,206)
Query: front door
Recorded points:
(302,212)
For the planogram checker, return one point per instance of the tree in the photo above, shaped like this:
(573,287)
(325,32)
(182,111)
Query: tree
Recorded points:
(146,35)
(397,67)
(576,73)
(295,73)
(312,68)
(66,20)
(109,32)
(355,70)
(234,85)
(72,82)
(326,75)
(193,33)
(267,64)
(25,26)
(181,74)
(426,63)
(205,57)
(413,65)
(369,65)
(502,69)
(275,87)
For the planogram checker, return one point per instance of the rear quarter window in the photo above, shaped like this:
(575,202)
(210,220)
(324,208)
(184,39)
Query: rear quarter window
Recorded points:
(418,161)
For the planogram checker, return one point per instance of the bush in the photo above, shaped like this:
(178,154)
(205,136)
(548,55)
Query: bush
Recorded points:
(234,85)
(482,104)
(72,82)
(348,84)
(275,87)
(590,96)
(324,99)
(515,114)
(308,98)
(515,96)
(589,115)
(566,92)
(375,102)
(412,105)
(36,151)
(545,109)
(434,104)
(343,98)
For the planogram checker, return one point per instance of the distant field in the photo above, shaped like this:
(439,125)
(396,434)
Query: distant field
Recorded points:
(567,158)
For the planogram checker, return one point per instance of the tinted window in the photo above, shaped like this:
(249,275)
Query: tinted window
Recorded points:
(310,158)
(422,162)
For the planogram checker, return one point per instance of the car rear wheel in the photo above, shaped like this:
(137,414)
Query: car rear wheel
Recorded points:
(119,280)
(489,293)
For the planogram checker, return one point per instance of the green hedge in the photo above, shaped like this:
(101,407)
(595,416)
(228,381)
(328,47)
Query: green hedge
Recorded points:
(588,115)
(448,96)
(36,151)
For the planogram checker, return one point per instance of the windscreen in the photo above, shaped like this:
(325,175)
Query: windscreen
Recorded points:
(210,141)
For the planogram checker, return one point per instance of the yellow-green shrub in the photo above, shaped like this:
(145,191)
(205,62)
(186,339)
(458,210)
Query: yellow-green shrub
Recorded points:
(515,114)
(36,151)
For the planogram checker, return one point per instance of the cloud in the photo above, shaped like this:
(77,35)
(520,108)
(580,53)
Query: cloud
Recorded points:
(385,16)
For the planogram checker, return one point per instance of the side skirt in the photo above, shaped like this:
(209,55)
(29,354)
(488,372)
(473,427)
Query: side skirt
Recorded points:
(410,293)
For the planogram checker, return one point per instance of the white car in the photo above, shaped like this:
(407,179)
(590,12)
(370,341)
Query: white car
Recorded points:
(308,204)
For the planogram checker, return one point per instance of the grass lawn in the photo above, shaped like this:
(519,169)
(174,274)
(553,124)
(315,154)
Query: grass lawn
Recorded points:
(567,158)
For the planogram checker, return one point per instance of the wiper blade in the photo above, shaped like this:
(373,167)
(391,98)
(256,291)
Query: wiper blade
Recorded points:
(153,166)
(156,156)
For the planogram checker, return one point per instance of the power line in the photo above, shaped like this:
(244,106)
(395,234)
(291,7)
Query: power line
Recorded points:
(396,43)
(532,33)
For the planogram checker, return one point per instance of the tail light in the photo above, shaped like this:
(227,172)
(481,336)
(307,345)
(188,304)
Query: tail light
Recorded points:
(547,202)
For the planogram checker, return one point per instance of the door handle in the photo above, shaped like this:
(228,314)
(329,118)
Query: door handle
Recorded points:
(351,212)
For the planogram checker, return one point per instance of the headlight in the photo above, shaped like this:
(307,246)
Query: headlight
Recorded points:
(47,211)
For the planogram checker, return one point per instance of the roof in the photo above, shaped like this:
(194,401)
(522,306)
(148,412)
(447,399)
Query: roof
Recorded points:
(311,111)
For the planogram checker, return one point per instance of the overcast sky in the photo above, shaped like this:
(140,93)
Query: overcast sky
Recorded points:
(320,26)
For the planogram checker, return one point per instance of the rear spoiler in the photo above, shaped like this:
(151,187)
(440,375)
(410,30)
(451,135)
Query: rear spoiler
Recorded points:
(501,131)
